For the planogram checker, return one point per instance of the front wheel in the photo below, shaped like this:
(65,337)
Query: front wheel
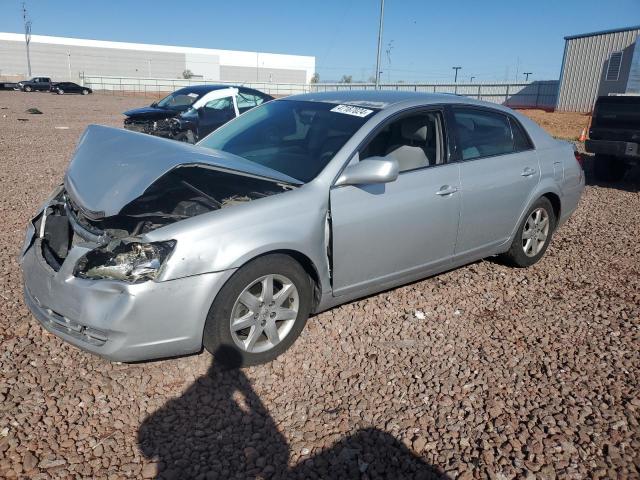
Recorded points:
(259,312)
(27,88)
(85,92)
(533,235)
(60,91)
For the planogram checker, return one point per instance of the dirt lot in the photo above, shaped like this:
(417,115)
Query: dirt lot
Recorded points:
(567,126)
(485,371)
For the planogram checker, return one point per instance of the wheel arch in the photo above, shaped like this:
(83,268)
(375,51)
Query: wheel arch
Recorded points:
(554,198)
(305,262)
(550,194)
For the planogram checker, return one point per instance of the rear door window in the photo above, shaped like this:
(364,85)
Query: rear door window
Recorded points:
(484,133)
(246,101)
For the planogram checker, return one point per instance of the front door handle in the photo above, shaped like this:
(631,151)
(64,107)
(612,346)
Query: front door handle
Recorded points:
(528,171)
(446,190)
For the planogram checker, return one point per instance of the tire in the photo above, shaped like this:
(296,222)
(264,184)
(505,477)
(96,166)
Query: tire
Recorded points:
(609,168)
(522,254)
(27,88)
(85,92)
(60,91)
(232,349)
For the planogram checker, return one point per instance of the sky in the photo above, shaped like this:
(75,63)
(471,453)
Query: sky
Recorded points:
(492,40)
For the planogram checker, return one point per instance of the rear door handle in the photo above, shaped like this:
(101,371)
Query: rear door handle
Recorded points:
(528,171)
(446,190)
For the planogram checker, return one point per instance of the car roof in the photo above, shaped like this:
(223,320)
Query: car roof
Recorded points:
(202,88)
(375,98)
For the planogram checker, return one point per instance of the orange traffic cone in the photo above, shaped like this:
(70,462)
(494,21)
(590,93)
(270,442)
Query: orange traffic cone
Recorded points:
(583,135)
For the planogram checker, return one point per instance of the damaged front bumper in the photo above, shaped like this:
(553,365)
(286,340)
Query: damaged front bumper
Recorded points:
(116,320)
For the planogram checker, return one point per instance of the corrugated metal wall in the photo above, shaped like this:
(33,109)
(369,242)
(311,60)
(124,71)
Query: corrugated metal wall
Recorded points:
(585,62)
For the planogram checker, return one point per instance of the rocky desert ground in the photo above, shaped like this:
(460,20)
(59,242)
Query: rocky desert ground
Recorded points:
(481,372)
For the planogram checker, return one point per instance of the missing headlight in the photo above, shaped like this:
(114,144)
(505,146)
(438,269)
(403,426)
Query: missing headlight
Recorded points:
(127,261)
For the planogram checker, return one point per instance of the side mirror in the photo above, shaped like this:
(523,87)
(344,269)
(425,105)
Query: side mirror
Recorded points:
(369,171)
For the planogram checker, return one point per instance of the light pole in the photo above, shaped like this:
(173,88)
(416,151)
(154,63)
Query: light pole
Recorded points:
(471,80)
(379,44)
(527,74)
(455,80)
(69,63)
(27,34)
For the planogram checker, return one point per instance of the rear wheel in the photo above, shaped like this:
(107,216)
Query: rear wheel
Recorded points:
(533,236)
(609,168)
(259,312)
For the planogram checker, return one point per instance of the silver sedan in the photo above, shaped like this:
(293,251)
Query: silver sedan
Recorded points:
(153,248)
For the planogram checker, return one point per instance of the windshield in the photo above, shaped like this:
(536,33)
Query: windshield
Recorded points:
(293,137)
(179,100)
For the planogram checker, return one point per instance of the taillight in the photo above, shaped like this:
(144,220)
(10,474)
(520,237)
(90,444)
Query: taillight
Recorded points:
(579,158)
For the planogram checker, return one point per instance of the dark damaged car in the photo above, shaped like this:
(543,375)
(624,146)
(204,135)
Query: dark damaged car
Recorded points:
(191,113)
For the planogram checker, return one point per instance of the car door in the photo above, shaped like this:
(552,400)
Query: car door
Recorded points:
(498,173)
(214,114)
(385,233)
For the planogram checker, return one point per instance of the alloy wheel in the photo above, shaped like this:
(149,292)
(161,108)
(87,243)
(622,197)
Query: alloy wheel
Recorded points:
(535,232)
(264,313)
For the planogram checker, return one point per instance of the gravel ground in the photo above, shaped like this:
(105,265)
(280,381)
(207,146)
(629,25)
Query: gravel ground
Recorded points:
(485,371)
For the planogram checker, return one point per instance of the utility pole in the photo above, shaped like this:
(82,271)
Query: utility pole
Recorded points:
(379,44)
(527,74)
(455,80)
(27,34)
(69,63)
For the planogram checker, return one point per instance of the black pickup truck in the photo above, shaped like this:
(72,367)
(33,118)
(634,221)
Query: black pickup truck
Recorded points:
(614,135)
(35,84)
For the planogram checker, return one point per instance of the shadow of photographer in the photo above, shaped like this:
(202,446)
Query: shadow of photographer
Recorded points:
(220,429)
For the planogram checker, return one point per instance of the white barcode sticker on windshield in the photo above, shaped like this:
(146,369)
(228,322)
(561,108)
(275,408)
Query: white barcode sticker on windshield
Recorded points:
(351,110)
(192,95)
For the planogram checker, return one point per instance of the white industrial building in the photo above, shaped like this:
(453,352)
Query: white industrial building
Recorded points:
(69,58)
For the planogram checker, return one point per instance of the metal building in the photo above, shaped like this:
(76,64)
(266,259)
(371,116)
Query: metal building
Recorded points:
(597,64)
(67,58)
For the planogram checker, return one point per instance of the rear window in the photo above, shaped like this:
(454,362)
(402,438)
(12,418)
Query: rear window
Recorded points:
(617,112)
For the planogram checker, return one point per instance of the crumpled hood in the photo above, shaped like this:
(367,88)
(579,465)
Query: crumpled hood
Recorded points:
(151,113)
(112,167)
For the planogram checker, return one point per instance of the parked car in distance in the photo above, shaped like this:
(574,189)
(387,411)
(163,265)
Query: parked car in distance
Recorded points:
(69,87)
(153,248)
(36,84)
(614,135)
(8,86)
(193,112)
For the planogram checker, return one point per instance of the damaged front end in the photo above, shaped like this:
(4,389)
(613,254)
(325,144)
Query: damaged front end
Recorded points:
(122,185)
(118,252)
